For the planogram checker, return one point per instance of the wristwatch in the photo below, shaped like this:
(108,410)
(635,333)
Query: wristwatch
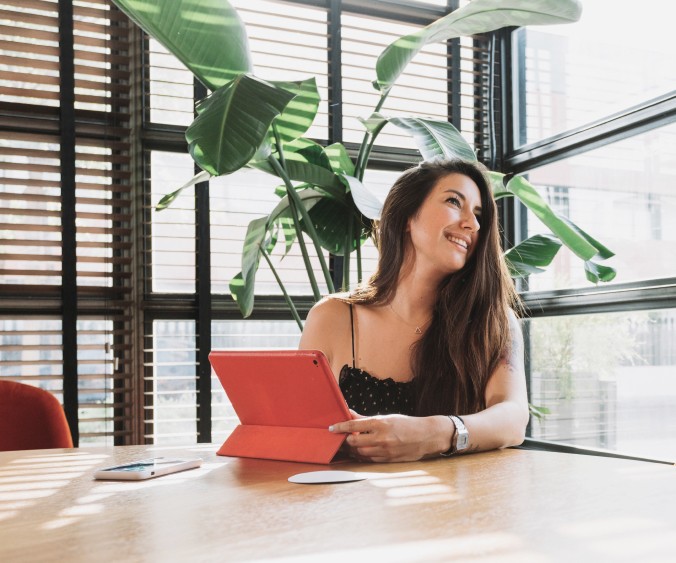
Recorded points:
(461,436)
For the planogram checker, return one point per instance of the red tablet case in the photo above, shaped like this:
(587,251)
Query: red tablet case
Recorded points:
(285,401)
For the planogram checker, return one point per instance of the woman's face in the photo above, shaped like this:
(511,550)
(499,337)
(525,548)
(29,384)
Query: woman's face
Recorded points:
(445,230)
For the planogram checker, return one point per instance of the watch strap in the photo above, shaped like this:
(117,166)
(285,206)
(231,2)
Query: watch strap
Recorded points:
(460,437)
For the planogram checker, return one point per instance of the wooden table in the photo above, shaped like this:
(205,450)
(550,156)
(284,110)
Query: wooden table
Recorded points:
(510,505)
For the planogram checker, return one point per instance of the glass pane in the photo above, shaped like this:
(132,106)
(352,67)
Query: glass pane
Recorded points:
(32,352)
(622,195)
(171,87)
(30,210)
(618,55)
(173,229)
(252,335)
(609,381)
(96,393)
(171,389)
(295,50)
(422,90)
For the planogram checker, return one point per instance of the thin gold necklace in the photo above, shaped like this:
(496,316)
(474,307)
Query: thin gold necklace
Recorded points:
(418,329)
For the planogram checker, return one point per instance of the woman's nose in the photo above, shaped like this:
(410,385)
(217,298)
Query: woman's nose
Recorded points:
(471,223)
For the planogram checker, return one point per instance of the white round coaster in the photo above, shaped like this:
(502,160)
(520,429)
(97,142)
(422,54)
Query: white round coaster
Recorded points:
(321,477)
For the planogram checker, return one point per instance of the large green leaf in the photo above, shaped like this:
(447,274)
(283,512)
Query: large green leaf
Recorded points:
(207,36)
(331,220)
(299,114)
(533,254)
(233,124)
(435,138)
(303,171)
(497,182)
(340,161)
(581,243)
(329,216)
(305,150)
(281,214)
(367,203)
(572,238)
(479,16)
(242,285)
(602,252)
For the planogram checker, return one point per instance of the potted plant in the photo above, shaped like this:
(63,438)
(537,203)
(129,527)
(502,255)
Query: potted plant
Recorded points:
(246,121)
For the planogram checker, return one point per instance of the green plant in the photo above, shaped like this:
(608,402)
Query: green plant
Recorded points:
(246,121)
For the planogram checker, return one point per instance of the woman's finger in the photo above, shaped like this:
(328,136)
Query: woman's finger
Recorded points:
(358,425)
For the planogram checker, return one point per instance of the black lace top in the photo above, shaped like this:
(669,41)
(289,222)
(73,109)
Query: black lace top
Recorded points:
(368,395)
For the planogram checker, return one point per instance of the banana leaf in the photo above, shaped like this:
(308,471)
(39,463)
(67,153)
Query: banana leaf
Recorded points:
(315,175)
(533,254)
(581,244)
(479,16)
(207,36)
(435,138)
(367,203)
(234,123)
(300,112)
(242,285)
(340,161)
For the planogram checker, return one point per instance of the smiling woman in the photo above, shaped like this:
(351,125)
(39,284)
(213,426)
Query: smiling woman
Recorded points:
(433,334)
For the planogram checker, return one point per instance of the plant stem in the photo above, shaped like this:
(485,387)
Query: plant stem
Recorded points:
(359,270)
(296,224)
(287,298)
(346,253)
(293,197)
(367,143)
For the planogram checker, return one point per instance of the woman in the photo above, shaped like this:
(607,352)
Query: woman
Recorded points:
(429,354)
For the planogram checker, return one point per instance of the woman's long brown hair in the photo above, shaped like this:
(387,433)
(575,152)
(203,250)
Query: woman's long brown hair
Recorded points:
(469,331)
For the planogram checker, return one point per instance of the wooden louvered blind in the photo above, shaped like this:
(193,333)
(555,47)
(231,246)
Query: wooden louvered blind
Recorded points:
(32,185)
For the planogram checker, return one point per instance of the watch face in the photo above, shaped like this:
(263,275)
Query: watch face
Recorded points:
(463,439)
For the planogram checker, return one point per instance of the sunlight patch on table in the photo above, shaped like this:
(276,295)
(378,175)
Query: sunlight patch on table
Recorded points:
(503,547)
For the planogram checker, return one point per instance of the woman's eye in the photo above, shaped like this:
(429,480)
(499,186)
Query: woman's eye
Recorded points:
(454,200)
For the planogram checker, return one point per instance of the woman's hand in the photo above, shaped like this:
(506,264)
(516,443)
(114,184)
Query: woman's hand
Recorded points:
(395,437)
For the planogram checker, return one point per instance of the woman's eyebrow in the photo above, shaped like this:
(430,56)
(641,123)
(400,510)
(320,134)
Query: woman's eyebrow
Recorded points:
(477,208)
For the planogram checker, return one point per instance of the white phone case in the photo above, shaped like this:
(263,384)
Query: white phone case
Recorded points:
(146,468)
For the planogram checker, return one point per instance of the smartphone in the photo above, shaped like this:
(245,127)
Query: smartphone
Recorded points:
(147,468)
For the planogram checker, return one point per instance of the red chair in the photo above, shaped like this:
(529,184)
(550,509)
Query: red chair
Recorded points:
(31,419)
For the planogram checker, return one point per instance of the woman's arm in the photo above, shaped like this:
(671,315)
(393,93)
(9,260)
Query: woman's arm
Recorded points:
(405,438)
(503,422)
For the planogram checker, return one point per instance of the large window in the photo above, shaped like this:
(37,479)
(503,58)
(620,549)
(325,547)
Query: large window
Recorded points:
(619,55)
(595,131)
(114,306)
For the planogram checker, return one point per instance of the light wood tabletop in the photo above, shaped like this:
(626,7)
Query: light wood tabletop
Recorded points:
(508,505)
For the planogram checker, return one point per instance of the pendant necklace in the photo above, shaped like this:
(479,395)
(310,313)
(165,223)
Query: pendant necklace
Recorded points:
(418,329)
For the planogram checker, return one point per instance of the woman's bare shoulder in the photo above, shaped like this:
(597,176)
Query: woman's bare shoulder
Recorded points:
(327,325)
(329,308)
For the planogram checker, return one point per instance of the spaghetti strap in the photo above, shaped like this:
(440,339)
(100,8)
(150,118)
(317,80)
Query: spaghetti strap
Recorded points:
(354,365)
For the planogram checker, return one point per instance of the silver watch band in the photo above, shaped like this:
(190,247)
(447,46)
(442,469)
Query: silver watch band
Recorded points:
(460,438)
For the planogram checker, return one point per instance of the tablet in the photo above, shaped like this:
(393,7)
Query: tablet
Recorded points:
(285,401)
